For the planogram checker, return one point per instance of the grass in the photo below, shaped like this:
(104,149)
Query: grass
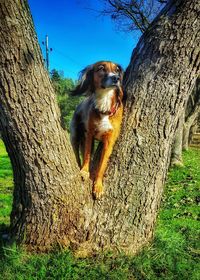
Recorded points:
(6,187)
(173,254)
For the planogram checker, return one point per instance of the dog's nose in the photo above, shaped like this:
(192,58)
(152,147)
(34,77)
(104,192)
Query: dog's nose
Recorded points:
(115,78)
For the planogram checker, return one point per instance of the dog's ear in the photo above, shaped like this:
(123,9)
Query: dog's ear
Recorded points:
(121,71)
(85,85)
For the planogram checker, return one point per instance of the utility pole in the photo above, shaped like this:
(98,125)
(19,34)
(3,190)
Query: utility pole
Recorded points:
(47,51)
(46,43)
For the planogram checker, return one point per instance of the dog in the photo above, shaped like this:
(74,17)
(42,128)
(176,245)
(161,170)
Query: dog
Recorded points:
(98,117)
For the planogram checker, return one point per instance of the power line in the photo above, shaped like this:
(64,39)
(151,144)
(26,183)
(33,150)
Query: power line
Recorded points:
(48,50)
(68,57)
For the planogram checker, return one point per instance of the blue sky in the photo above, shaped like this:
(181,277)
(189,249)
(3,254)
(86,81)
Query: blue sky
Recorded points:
(78,36)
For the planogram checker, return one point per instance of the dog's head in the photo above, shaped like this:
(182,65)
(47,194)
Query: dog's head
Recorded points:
(101,75)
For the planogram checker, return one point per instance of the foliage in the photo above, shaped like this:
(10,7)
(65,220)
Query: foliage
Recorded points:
(173,253)
(66,102)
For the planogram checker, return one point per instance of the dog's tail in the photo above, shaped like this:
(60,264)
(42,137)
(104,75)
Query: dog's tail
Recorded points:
(77,138)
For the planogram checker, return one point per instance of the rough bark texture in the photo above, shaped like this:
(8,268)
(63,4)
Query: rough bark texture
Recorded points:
(51,204)
(46,205)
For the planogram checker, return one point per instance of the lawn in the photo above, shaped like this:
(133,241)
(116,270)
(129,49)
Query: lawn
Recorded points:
(6,186)
(173,254)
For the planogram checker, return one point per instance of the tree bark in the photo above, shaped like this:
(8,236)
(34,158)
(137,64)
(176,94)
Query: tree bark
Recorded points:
(47,203)
(51,204)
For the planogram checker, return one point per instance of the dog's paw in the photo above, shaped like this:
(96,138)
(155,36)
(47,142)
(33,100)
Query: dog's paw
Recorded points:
(85,174)
(98,190)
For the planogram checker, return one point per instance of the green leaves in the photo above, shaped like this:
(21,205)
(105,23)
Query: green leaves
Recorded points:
(66,102)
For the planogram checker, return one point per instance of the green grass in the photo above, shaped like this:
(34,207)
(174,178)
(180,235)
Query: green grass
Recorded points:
(6,186)
(173,254)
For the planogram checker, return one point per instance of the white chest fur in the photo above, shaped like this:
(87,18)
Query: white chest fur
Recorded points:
(103,100)
(103,126)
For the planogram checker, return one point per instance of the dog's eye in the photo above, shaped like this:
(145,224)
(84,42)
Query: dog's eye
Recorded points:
(117,69)
(101,67)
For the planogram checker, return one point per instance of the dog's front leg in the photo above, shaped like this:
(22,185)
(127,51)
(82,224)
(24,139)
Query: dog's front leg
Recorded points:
(108,143)
(86,157)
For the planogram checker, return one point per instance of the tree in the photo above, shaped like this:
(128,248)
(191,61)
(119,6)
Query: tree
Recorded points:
(55,76)
(130,15)
(67,103)
(188,117)
(52,205)
(192,114)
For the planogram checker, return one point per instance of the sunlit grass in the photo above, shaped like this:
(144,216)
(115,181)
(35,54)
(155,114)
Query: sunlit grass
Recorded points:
(173,254)
(6,186)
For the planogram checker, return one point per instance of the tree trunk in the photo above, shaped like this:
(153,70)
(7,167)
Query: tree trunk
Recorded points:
(192,115)
(183,133)
(195,128)
(48,205)
(51,204)
(176,155)
(187,127)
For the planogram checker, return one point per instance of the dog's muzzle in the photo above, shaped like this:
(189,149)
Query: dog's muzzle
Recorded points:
(111,80)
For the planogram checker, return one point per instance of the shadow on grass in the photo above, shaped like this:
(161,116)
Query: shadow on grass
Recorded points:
(4,240)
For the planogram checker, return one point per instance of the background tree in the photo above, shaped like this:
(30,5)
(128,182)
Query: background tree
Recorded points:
(131,15)
(177,145)
(191,115)
(51,203)
(66,102)
(188,118)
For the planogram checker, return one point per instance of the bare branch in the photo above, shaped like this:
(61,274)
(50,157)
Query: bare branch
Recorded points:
(131,15)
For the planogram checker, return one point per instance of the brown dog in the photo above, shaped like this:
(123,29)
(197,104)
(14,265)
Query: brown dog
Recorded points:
(99,116)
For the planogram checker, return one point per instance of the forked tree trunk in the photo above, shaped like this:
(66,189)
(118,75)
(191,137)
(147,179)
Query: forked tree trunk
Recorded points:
(51,203)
